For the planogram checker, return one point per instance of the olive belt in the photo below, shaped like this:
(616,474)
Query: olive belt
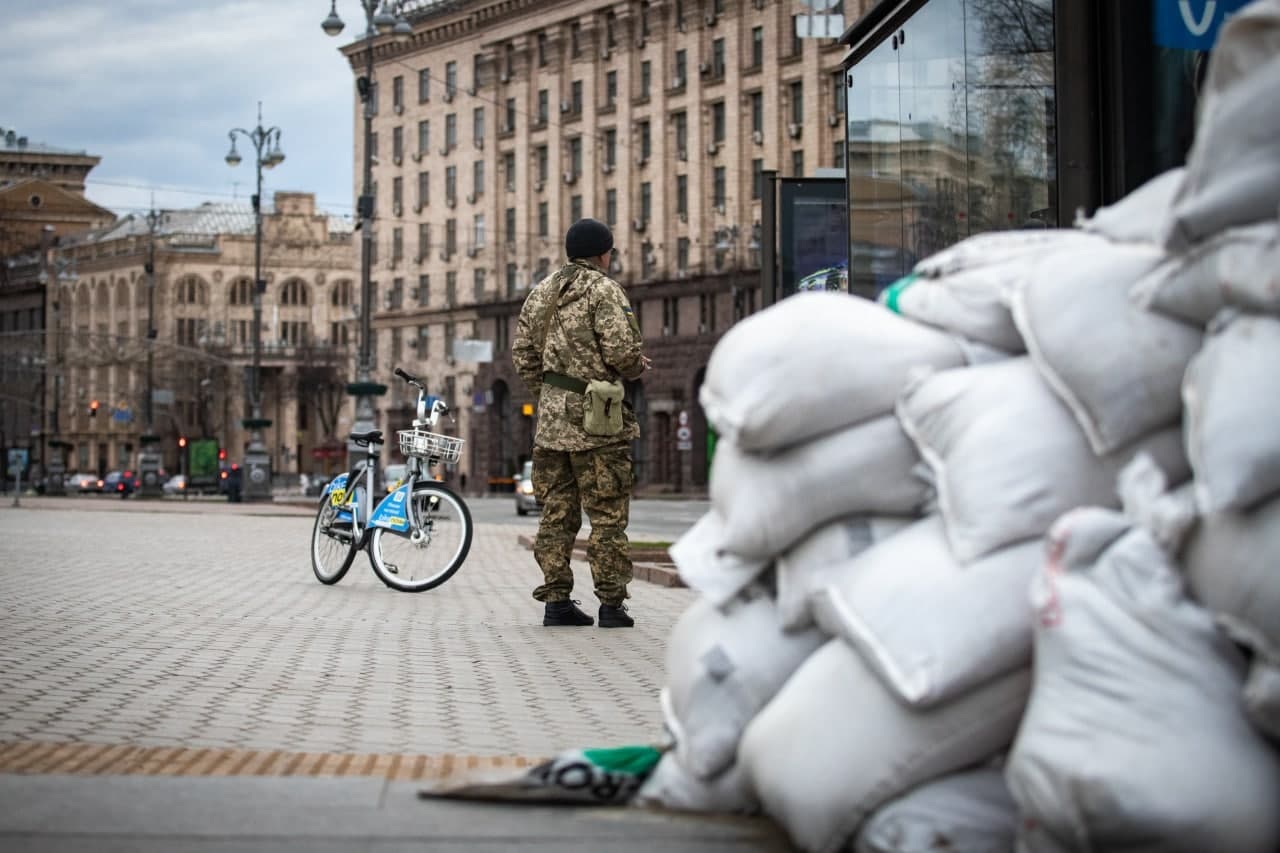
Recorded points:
(568,383)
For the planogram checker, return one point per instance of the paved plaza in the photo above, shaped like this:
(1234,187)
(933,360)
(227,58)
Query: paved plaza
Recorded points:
(192,640)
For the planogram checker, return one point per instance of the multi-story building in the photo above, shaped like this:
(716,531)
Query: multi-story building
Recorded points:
(42,193)
(498,124)
(187,275)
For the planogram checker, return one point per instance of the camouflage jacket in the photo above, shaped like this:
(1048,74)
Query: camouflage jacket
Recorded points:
(592,334)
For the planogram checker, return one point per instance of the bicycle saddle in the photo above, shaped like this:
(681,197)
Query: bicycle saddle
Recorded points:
(371,437)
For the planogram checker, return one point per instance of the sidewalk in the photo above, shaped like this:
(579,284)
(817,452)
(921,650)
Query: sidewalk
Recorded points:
(174,678)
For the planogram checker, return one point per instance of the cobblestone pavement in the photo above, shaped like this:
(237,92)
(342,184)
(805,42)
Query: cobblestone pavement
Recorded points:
(200,626)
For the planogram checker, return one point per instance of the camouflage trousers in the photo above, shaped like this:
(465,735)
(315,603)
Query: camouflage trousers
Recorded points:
(567,483)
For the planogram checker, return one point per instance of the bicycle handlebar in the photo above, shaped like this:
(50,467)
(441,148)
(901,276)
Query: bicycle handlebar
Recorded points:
(407,377)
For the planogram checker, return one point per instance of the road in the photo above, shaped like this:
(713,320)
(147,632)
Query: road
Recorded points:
(149,647)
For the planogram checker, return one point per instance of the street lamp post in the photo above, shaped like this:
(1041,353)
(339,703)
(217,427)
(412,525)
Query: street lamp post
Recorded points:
(149,456)
(379,21)
(257,460)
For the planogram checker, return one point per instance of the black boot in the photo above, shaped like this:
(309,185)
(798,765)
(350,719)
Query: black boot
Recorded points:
(615,616)
(565,613)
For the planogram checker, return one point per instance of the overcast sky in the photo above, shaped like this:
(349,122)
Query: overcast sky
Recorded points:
(153,86)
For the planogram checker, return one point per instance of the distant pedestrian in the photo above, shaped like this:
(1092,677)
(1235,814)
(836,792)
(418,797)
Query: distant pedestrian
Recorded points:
(576,339)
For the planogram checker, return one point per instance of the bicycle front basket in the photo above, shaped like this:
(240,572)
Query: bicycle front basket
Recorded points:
(430,445)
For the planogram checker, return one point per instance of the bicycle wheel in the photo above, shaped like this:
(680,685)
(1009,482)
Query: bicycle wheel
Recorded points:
(416,561)
(332,545)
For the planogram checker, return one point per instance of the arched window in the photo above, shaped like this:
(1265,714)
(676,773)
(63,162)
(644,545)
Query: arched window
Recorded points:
(241,292)
(122,294)
(102,299)
(340,296)
(294,292)
(190,290)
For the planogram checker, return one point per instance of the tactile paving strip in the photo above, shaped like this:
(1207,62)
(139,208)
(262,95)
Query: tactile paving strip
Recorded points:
(86,759)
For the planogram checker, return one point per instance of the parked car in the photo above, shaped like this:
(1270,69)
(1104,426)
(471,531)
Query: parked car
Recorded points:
(526,501)
(392,474)
(122,483)
(82,484)
(175,485)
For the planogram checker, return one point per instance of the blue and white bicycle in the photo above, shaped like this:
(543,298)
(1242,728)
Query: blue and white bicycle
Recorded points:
(419,534)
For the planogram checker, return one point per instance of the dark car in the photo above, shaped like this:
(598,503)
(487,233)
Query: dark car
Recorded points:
(122,483)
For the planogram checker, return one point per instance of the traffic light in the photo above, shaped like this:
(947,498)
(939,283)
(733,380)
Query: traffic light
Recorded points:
(222,454)
(93,409)
(182,441)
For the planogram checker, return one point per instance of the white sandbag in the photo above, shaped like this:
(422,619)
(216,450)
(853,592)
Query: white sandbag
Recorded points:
(819,558)
(1117,367)
(970,812)
(813,363)
(999,247)
(1135,737)
(1140,216)
(1233,168)
(769,502)
(723,665)
(835,744)
(971,303)
(929,627)
(1232,565)
(1231,392)
(1238,267)
(671,786)
(707,566)
(1008,456)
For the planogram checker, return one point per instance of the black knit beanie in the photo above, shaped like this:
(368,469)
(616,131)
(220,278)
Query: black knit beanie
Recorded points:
(587,238)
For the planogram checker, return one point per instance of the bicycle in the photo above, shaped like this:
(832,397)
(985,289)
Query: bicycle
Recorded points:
(419,534)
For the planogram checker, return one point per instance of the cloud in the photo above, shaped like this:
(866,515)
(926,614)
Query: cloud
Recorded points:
(153,86)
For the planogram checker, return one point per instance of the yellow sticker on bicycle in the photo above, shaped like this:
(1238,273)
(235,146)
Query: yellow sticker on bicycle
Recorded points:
(338,496)
(397,485)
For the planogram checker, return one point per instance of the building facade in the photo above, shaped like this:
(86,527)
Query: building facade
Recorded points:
(498,124)
(187,275)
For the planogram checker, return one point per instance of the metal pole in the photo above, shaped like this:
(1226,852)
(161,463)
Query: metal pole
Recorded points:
(768,238)
(148,457)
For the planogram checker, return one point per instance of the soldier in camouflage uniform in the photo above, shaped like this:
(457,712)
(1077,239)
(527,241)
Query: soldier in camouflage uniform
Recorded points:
(577,326)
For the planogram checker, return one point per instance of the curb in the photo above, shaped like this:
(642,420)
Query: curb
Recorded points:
(657,567)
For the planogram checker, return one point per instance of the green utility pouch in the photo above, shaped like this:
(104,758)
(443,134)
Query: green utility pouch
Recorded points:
(602,408)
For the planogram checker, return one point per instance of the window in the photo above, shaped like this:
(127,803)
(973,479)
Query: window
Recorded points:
(395,296)
(241,292)
(294,292)
(190,291)
(757,179)
(477,67)
(397,244)
(575,39)
(513,284)
(646,78)
(837,154)
(682,254)
(424,190)
(510,223)
(646,201)
(797,164)
(575,156)
(717,122)
(757,112)
(293,333)
(542,49)
(610,88)
(682,68)
(477,231)
(543,160)
(397,143)
(718,189)
(610,207)
(717,58)
(796,92)
(575,97)
(610,29)
(682,195)
(509,170)
(340,296)
(339,334)
(450,132)
(544,106)
(757,47)
(839,92)
(397,194)
(397,93)
(451,79)
(611,147)
(671,316)
(451,184)
(680,122)
(644,19)
(186,331)
(373,143)
(424,297)
(677,15)
(797,44)
(424,136)
(373,98)
(477,126)
(509,124)
(424,240)
(575,208)
(424,85)
(544,226)
(451,237)
(645,142)
(707,312)
(478,283)
(477,178)
(450,290)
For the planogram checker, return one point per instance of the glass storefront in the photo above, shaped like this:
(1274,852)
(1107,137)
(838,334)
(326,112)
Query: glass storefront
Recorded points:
(950,132)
